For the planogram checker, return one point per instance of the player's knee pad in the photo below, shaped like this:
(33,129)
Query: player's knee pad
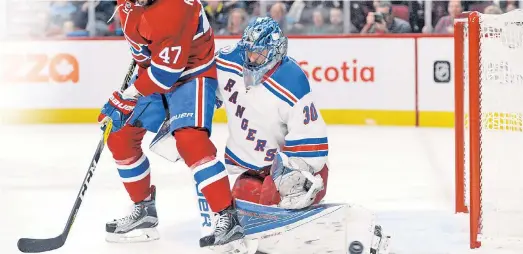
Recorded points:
(269,194)
(193,145)
(126,144)
(324,173)
(247,187)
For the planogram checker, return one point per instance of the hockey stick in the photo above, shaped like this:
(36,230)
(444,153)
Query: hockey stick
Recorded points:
(30,245)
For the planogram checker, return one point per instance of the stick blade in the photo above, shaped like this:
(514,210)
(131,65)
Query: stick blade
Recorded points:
(29,245)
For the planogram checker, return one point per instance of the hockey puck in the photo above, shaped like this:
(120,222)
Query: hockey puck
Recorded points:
(356,247)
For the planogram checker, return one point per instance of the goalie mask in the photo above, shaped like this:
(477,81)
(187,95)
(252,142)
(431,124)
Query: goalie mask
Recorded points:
(263,45)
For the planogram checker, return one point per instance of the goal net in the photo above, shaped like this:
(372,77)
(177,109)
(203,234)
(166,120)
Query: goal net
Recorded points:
(489,125)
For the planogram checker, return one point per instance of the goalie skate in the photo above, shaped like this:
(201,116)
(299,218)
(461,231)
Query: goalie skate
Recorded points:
(139,226)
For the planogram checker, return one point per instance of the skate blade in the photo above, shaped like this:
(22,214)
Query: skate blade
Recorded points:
(134,236)
(240,246)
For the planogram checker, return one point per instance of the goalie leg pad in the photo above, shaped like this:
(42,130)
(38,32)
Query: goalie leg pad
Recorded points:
(338,228)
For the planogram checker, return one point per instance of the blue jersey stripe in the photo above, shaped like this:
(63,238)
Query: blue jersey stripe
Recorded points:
(307,154)
(196,73)
(239,161)
(231,70)
(279,95)
(165,78)
(208,172)
(138,170)
(306,141)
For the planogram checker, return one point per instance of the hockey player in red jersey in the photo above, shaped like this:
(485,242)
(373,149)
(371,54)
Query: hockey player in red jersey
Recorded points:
(173,44)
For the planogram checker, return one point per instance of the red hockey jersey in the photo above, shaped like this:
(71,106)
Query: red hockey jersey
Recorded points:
(171,40)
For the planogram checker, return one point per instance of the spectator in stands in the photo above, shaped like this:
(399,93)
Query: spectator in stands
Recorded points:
(358,13)
(492,9)
(216,14)
(417,15)
(439,10)
(77,26)
(508,5)
(445,24)
(233,4)
(318,23)
(236,23)
(59,13)
(103,12)
(383,21)
(254,10)
(375,4)
(278,12)
(103,9)
(336,22)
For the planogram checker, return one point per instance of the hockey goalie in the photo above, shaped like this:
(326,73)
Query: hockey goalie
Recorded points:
(278,145)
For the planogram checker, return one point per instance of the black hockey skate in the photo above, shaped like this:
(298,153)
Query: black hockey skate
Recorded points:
(228,235)
(139,226)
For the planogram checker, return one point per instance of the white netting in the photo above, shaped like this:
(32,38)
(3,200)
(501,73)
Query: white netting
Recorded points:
(501,108)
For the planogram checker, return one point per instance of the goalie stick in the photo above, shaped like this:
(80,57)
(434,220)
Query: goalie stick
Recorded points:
(30,245)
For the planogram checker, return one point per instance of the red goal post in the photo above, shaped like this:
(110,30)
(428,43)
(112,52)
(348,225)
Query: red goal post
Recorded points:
(488,124)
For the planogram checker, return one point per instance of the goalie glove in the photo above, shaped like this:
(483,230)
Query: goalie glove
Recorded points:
(295,182)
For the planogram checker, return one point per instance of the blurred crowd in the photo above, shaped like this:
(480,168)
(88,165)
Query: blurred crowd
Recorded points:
(72,18)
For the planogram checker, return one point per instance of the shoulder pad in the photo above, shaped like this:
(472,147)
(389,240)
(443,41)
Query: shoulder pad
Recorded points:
(229,59)
(292,79)
(228,49)
(230,53)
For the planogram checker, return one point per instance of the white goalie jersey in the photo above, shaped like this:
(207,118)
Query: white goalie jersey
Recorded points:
(278,115)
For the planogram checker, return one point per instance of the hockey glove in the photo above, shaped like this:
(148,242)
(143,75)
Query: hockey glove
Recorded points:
(295,182)
(119,108)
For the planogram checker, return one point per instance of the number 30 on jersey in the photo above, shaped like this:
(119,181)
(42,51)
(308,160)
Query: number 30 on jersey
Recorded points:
(310,114)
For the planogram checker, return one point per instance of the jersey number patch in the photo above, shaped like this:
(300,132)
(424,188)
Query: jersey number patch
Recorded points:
(167,52)
(310,114)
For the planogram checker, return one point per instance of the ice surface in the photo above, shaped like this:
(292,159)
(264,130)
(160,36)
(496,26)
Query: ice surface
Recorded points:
(406,175)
